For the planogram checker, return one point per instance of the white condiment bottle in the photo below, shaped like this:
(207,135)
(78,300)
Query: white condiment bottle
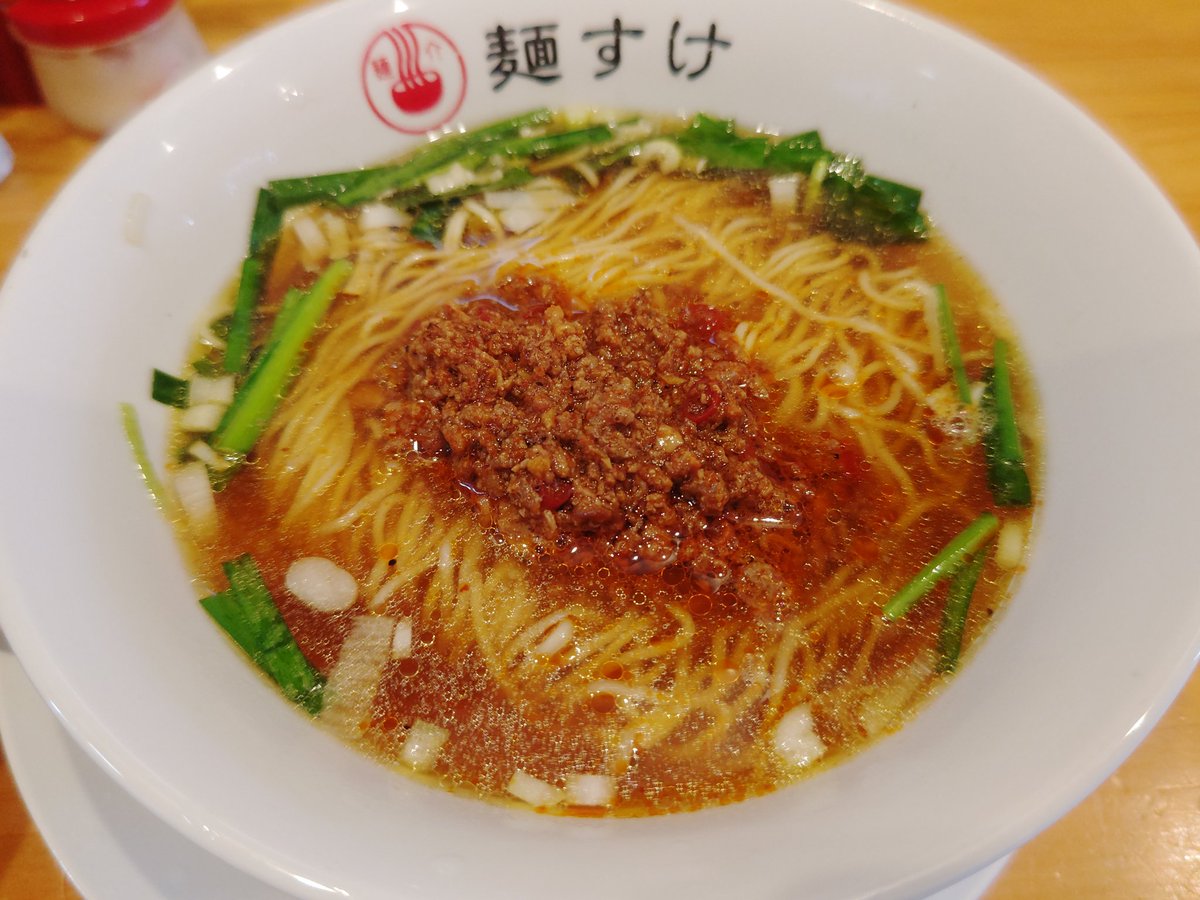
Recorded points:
(98,61)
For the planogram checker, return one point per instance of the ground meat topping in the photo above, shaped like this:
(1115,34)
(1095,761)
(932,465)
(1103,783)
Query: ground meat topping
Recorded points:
(627,429)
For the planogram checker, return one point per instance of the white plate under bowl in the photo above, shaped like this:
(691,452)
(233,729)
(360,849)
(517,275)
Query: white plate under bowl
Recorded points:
(1099,275)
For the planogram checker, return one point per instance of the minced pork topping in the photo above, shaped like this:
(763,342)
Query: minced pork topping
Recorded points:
(628,428)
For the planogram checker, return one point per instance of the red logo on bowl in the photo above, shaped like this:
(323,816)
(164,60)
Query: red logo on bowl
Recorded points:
(414,77)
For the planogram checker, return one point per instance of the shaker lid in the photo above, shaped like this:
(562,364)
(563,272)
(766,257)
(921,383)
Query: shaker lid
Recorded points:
(82,23)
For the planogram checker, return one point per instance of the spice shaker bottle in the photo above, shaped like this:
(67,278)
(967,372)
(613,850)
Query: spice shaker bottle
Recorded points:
(97,61)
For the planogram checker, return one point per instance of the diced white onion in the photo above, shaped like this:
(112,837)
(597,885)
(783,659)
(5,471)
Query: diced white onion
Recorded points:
(883,709)
(207,455)
(499,200)
(352,683)
(533,791)
(558,637)
(321,583)
(310,236)
(203,389)
(1010,545)
(375,216)
(518,220)
(204,417)
(423,745)
(195,496)
(402,639)
(338,234)
(796,740)
(208,339)
(455,177)
(785,192)
(544,193)
(590,790)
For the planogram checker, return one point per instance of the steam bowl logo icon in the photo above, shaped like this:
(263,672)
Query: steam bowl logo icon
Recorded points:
(414,78)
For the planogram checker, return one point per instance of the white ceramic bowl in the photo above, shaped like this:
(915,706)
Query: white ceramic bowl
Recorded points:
(1099,275)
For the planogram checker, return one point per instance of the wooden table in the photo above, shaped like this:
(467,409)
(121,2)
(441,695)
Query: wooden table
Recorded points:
(1132,64)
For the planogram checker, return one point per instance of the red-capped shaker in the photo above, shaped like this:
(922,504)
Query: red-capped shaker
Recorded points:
(97,61)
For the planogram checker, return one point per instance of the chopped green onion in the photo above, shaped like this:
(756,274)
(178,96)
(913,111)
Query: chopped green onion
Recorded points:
(950,346)
(607,158)
(853,204)
(226,609)
(255,402)
(954,617)
(540,146)
(169,390)
(287,311)
(863,207)
(361,185)
(133,434)
(264,228)
(289,192)
(717,141)
(429,224)
(248,614)
(372,183)
(208,367)
(1007,476)
(220,326)
(798,153)
(237,345)
(946,562)
(261,616)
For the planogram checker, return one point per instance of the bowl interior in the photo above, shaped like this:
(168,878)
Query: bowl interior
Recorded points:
(1097,272)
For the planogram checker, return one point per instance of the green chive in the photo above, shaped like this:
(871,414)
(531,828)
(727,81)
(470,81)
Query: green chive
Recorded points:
(950,346)
(945,563)
(1007,476)
(254,404)
(169,390)
(954,617)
